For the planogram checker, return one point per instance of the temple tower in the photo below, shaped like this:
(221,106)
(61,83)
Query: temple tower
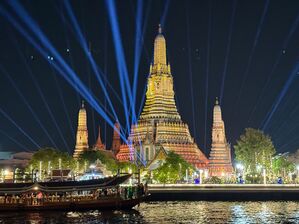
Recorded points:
(116,142)
(82,133)
(160,118)
(99,144)
(220,156)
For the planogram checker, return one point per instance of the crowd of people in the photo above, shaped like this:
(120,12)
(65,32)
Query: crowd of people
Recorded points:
(38,197)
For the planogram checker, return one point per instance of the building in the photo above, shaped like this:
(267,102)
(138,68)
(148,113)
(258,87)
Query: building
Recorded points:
(220,163)
(99,144)
(10,167)
(116,142)
(160,124)
(82,133)
(17,160)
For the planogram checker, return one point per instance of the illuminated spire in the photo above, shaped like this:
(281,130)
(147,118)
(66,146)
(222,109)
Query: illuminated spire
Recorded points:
(82,133)
(82,104)
(217,102)
(99,143)
(220,156)
(116,138)
(217,115)
(160,29)
(160,48)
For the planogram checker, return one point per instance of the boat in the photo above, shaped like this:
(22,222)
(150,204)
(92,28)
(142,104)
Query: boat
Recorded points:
(99,194)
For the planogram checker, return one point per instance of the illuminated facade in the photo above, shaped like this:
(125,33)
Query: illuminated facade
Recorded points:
(82,133)
(160,123)
(220,163)
(116,142)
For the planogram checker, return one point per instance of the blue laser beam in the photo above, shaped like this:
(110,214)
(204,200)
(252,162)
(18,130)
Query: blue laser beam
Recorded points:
(121,64)
(276,63)
(138,44)
(70,76)
(13,140)
(69,47)
(89,55)
(207,74)
(190,68)
(63,104)
(165,12)
(257,35)
(27,104)
(228,50)
(281,95)
(18,127)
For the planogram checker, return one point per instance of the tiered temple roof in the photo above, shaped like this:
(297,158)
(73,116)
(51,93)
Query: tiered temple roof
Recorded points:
(160,118)
(99,144)
(82,133)
(116,142)
(220,156)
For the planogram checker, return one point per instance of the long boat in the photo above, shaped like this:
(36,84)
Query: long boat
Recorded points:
(101,194)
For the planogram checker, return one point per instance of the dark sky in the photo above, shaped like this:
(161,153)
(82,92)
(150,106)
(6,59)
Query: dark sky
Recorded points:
(247,48)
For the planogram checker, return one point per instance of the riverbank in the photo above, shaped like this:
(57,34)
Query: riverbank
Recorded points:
(223,192)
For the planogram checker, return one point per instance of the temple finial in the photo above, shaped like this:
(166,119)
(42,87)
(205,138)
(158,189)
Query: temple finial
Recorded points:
(160,29)
(217,102)
(82,104)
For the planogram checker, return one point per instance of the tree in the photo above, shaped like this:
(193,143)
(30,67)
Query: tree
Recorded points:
(127,167)
(172,169)
(254,149)
(48,159)
(282,166)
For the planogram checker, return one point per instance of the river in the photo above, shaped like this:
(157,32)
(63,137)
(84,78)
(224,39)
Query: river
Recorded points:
(171,212)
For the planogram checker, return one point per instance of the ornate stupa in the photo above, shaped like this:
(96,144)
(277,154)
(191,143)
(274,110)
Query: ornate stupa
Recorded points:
(82,133)
(220,156)
(99,144)
(160,122)
(116,142)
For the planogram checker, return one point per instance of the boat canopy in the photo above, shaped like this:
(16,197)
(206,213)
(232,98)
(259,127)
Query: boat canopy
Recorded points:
(65,186)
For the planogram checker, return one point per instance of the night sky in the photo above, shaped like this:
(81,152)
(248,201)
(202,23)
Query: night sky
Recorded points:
(244,52)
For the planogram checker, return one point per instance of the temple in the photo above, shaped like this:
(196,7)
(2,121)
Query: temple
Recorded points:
(99,144)
(82,133)
(116,142)
(220,163)
(160,125)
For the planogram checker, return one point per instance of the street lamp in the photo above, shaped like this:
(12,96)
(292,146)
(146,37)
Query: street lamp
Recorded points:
(240,167)
(5,173)
(40,169)
(240,171)
(200,176)
(59,163)
(264,175)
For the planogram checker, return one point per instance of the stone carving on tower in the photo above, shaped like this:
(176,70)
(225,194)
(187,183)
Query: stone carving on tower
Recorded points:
(220,156)
(82,133)
(160,121)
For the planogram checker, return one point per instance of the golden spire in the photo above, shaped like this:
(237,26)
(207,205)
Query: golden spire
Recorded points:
(82,132)
(160,48)
(217,117)
(160,29)
(99,143)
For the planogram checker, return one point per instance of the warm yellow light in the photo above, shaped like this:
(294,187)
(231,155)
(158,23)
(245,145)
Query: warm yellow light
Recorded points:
(6,172)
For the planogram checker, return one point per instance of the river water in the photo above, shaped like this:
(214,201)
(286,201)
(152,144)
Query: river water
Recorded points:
(171,212)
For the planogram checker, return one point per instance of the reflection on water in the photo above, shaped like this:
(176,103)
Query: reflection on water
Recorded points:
(171,212)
